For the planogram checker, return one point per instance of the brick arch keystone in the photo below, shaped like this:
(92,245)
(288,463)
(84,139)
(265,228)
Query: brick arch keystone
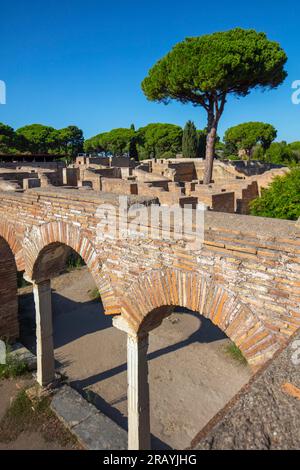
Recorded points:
(199,293)
(8,233)
(39,237)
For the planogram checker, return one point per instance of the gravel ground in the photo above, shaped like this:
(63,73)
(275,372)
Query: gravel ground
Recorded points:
(266,415)
(191,377)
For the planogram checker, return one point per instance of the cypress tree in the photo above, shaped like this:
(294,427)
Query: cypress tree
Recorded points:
(133,152)
(190,141)
(201,143)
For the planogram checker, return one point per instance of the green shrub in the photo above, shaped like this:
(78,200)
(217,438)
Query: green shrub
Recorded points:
(281,200)
(280,153)
(233,157)
(95,294)
(74,261)
(14,366)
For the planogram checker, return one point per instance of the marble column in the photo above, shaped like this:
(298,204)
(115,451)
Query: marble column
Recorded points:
(139,437)
(44,332)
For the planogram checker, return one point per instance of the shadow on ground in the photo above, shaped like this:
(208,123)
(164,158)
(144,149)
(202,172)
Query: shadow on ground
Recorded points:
(73,320)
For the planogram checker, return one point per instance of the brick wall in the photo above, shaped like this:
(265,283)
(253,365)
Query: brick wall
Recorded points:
(118,186)
(248,269)
(8,293)
(70,176)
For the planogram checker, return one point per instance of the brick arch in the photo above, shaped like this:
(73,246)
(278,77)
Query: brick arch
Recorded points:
(9,325)
(40,237)
(199,293)
(8,233)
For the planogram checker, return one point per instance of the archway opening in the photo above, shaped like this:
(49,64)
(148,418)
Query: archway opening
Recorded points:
(194,370)
(9,325)
(88,350)
(74,296)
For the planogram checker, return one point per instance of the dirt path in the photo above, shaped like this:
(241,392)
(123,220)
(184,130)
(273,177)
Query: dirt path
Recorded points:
(8,391)
(191,377)
(29,440)
(32,441)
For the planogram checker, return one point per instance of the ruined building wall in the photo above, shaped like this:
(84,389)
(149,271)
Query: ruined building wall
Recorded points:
(256,258)
(8,293)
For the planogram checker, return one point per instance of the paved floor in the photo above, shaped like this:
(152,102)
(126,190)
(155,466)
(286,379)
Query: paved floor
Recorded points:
(191,377)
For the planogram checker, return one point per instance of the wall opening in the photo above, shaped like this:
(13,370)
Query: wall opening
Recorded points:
(89,351)
(193,373)
(9,325)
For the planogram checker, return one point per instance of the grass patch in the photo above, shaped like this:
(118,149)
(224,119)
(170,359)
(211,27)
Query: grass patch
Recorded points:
(28,416)
(94,294)
(235,353)
(21,416)
(14,366)
(74,261)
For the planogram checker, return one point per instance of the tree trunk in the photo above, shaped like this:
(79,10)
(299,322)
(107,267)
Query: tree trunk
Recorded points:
(215,111)
(210,154)
(249,157)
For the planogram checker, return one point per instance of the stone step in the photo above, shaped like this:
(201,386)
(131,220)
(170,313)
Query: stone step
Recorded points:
(93,429)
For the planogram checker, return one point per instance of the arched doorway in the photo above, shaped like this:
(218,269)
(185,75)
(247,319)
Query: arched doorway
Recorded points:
(192,376)
(150,300)
(87,349)
(9,325)
(57,311)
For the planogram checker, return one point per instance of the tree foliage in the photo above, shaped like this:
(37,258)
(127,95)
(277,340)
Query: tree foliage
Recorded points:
(157,138)
(115,142)
(190,141)
(281,200)
(9,141)
(247,135)
(40,139)
(201,142)
(70,140)
(133,151)
(281,153)
(205,70)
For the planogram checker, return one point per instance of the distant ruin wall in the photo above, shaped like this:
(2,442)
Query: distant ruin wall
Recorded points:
(118,186)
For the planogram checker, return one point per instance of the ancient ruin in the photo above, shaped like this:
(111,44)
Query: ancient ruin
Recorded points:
(245,277)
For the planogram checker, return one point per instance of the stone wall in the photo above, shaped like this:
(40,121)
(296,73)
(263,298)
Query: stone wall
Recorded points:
(119,186)
(9,328)
(252,261)
(31,183)
(70,176)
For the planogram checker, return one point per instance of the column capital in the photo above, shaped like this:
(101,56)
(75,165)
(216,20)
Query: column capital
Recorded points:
(27,278)
(121,324)
(42,282)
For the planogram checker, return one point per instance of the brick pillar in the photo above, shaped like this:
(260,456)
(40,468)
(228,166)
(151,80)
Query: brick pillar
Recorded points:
(9,323)
(138,388)
(44,332)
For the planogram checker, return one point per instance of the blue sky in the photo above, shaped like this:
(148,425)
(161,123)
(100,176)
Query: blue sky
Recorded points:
(81,62)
